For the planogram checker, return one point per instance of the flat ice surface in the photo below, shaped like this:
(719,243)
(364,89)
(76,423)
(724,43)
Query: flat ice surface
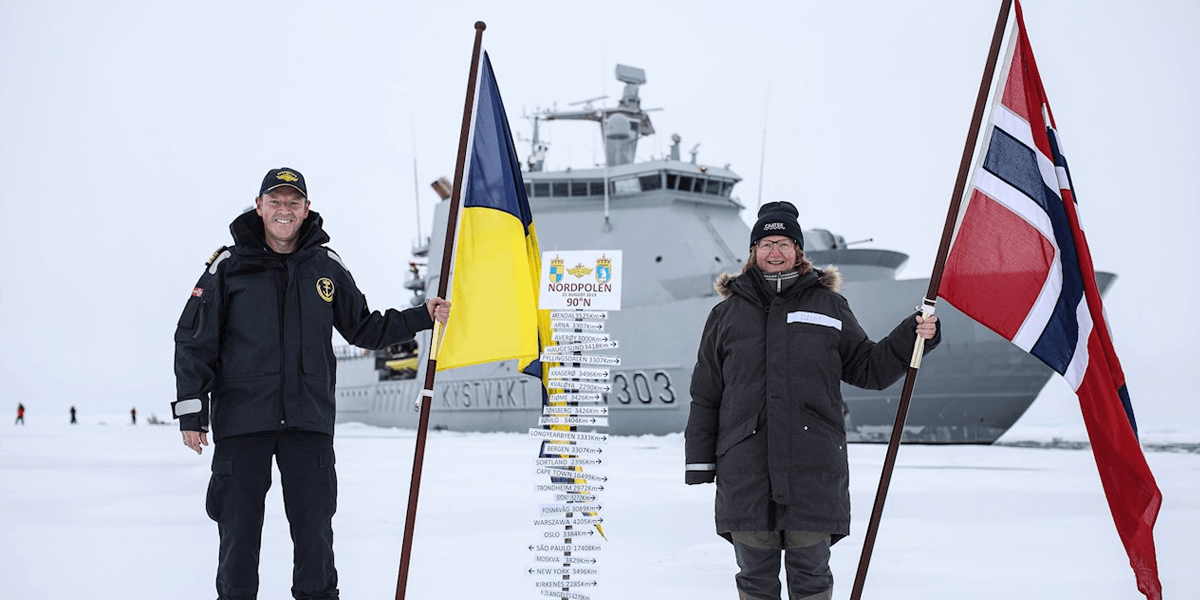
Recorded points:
(117,511)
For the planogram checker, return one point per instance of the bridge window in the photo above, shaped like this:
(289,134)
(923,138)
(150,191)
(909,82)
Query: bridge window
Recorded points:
(686,183)
(579,188)
(627,185)
(651,182)
(559,189)
(595,188)
(541,189)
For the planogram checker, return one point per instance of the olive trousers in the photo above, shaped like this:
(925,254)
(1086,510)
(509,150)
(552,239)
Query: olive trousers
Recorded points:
(805,560)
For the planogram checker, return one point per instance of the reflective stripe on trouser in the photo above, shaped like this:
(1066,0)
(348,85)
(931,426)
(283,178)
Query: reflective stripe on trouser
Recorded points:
(236,493)
(805,558)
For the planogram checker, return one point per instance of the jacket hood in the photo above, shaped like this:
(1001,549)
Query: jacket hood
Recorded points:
(247,231)
(830,278)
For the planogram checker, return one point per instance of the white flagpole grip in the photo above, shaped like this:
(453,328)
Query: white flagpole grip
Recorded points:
(926,309)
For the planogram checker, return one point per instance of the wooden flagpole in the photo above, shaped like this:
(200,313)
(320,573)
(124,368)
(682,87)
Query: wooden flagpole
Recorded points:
(435,340)
(927,305)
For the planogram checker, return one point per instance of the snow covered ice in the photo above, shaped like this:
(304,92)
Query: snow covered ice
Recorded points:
(115,511)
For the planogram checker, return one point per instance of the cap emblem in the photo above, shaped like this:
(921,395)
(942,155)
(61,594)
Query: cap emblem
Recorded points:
(287,176)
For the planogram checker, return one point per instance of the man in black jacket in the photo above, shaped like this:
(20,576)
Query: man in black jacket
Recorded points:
(254,360)
(766,420)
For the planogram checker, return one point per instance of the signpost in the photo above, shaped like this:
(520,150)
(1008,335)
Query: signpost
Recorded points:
(579,288)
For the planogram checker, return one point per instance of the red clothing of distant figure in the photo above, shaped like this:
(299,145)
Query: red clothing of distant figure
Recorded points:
(20,414)
(133,414)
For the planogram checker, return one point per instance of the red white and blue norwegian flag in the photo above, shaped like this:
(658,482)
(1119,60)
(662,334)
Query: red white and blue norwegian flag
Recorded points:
(1020,265)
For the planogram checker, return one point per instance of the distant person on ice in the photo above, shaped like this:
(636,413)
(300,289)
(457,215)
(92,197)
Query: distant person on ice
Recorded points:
(133,415)
(767,421)
(20,414)
(253,358)
(73,422)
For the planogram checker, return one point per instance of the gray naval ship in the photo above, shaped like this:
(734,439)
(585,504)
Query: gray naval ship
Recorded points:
(971,391)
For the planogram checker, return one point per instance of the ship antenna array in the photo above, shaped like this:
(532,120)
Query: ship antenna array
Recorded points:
(587,104)
(762,152)
(537,148)
(416,190)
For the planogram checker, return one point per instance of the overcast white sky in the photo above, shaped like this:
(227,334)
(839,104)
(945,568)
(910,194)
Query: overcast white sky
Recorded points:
(132,132)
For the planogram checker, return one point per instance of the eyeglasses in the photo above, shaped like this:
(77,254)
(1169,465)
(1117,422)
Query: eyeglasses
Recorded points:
(783,245)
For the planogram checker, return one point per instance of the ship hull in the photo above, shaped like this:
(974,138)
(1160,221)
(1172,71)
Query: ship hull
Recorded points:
(971,390)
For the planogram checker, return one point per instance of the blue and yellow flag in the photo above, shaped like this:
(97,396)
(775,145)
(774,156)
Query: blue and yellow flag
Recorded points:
(494,285)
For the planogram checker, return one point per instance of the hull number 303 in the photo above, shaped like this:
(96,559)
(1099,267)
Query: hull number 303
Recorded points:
(641,387)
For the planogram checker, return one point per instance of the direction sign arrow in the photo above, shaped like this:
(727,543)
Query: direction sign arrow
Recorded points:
(574,420)
(566,560)
(565,583)
(579,373)
(569,473)
(564,595)
(561,571)
(568,487)
(572,548)
(578,436)
(583,325)
(568,337)
(559,521)
(575,497)
(574,461)
(574,507)
(579,447)
(580,347)
(594,315)
(579,398)
(574,411)
(583,386)
(581,359)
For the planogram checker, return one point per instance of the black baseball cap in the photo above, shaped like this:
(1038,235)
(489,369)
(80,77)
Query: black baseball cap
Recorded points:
(281,177)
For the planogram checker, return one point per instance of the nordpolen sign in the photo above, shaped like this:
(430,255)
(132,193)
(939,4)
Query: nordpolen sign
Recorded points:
(581,279)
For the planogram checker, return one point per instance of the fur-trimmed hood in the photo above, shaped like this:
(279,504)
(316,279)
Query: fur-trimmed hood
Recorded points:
(830,278)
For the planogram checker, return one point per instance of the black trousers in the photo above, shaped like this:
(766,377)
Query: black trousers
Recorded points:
(241,476)
(805,559)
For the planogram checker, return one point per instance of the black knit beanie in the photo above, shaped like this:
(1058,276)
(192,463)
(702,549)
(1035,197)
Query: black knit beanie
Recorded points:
(777,218)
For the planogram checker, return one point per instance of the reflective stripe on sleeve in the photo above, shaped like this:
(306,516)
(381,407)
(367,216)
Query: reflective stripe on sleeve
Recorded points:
(186,407)
(701,467)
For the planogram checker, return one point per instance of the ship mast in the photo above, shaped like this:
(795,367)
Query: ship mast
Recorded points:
(621,125)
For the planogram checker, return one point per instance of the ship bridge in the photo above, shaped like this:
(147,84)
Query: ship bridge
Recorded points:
(637,178)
